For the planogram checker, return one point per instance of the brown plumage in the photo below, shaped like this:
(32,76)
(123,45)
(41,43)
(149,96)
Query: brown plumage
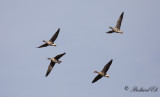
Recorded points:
(53,61)
(118,25)
(103,72)
(51,41)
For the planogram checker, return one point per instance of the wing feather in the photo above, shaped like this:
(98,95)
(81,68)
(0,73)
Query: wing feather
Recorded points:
(110,31)
(43,45)
(59,56)
(50,68)
(54,37)
(118,25)
(106,67)
(97,78)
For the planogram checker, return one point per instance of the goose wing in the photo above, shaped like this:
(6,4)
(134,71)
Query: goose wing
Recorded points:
(110,31)
(118,25)
(43,45)
(50,68)
(59,56)
(97,78)
(106,67)
(54,37)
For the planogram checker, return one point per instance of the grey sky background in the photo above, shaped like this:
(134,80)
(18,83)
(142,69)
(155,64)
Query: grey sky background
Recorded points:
(135,53)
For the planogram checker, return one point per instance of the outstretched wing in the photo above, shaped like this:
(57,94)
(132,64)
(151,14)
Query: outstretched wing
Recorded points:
(97,78)
(50,68)
(59,56)
(106,67)
(54,37)
(44,45)
(118,25)
(110,31)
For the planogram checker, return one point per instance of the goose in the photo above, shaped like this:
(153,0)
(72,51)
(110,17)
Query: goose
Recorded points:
(103,72)
(53,61)
(118,25)
(51,41)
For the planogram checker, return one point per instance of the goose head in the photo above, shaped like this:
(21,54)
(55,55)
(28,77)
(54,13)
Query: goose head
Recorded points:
(49,58)
(43,41)
(96,72)
(111,28)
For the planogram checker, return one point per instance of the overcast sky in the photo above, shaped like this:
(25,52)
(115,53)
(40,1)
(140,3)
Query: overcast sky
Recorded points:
(83,23)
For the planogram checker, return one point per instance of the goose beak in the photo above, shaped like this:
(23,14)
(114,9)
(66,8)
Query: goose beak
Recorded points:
(48,58)
(95,71)
(110,27)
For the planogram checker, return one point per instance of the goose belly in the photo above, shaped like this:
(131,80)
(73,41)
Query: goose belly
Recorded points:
(54,60)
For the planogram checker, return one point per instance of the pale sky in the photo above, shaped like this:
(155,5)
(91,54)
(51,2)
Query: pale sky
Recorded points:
(135,53)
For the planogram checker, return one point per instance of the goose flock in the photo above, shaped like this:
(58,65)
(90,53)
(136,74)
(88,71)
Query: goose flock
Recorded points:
(55,59)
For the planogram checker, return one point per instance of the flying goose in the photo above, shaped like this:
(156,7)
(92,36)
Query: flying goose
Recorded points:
(51,41)
(103,72)
(118,25)
(53,61)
